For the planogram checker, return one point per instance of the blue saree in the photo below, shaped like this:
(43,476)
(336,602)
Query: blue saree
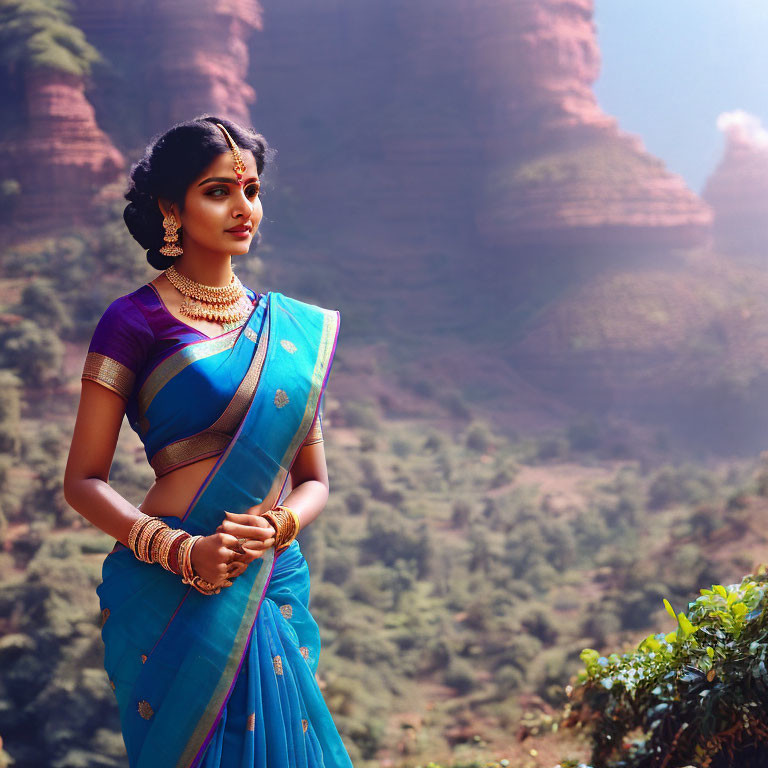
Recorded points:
(228,680)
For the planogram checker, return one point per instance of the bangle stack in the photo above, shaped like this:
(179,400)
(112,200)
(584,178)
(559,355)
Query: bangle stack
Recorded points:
(153,541)
(286,524)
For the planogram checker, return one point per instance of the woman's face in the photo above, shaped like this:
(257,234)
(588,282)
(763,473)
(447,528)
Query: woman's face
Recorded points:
(215,204)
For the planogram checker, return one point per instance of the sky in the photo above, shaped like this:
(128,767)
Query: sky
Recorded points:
(670,67)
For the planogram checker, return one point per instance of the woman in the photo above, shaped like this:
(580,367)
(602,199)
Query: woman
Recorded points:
(209,644)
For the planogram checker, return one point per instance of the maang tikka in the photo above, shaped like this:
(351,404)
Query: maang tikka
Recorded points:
(238,165)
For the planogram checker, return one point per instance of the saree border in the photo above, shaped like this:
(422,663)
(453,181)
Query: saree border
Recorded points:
(320,373)
(328,338)
(166,369)
(176,363)
(215,438)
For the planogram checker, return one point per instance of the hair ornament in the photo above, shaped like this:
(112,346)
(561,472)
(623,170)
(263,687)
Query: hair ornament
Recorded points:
(238,163)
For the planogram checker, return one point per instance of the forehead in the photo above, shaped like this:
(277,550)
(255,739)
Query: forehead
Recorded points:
(222,165)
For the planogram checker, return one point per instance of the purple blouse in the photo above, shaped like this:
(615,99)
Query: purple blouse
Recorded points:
(134,335)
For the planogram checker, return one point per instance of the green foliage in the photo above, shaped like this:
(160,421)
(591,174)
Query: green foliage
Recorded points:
(698,695)
(33,352)
(36,34)
(675,485)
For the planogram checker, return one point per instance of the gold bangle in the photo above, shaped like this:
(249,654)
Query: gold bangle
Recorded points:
(146,536)
(133,534)
(287,523)
(296,521)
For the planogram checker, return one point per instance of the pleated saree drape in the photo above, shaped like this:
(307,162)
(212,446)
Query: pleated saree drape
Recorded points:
(228,680)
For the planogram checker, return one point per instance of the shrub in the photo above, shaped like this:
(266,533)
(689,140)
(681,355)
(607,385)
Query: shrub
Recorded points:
(698,695)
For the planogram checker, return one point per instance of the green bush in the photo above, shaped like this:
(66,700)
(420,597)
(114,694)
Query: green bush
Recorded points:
(698,695)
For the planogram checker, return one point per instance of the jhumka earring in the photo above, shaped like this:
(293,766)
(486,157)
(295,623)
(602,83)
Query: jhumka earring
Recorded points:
(171,249)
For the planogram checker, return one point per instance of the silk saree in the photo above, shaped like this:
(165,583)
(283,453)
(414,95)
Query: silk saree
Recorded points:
(228,680)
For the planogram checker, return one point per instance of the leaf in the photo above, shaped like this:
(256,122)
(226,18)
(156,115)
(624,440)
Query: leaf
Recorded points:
(685,625)
(720,589)
(670,609)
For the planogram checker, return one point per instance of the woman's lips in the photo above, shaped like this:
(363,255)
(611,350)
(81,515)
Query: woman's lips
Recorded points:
(239,232)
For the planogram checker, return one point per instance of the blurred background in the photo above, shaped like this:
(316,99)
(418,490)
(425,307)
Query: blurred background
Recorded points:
(545,224)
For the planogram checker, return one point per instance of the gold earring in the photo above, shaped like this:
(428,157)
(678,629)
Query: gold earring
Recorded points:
(171,237)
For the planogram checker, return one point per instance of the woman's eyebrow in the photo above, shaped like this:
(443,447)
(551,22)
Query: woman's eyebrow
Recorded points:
(225,181)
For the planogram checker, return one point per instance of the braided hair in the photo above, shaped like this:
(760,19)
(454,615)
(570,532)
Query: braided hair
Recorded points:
(171,162)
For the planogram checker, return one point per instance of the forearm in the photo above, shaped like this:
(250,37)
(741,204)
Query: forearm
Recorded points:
(307,500)
(103,506)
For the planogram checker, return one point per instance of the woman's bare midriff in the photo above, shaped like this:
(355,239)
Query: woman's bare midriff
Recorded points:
(171,494)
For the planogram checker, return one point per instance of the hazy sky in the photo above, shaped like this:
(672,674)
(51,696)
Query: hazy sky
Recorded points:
(670,67)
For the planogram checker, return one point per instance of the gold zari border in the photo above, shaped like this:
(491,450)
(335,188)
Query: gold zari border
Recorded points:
(190,449)
(109,373)
(315,433)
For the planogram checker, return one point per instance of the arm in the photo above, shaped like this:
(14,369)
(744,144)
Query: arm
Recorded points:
(87,489)
(86,486)
(309,483)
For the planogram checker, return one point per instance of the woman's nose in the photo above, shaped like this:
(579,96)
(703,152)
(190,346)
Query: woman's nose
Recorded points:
(242,205)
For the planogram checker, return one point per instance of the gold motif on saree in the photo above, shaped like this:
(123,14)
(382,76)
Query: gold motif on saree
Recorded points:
(286,610)
(145,709)
(143,658)
(281,398)
(278,664)
(104,616)
(288,346)
(251,334)
(109,373)
(304,724)
(112,684)
(304,651)
(251,722)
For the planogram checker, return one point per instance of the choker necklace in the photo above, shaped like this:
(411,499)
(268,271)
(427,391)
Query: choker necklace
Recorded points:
(226,304)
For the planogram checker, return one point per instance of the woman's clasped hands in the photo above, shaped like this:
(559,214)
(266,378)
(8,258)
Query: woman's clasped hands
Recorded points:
(238,541)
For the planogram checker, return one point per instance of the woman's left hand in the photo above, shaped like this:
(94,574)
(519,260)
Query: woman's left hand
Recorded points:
(256,529)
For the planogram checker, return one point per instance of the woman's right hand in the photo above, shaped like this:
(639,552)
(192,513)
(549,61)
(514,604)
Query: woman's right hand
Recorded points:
(214,558)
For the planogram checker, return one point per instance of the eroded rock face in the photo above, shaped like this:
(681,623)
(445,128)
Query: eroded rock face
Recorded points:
(738,188)
(59,155)
(201,58)
(560,170)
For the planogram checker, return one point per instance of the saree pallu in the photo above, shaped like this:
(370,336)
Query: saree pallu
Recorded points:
(228,680)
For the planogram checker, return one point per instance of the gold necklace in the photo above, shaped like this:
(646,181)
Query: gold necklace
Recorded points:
(226,304)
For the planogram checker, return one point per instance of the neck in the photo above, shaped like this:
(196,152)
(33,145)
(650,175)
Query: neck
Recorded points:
(215,272)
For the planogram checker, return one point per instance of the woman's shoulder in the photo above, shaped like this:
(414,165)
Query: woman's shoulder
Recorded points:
(120,344)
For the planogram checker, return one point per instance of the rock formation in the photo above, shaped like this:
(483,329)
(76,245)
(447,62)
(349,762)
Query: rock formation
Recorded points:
(559,169)
(58,153)
(200,58)
(738,188)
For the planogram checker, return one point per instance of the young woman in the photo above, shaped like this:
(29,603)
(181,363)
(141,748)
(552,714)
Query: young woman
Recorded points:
(209,644)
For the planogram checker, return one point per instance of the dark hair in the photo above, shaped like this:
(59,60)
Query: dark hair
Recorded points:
(171,162)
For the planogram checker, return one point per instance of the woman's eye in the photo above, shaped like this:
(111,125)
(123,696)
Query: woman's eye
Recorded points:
(253,190)
(213,191)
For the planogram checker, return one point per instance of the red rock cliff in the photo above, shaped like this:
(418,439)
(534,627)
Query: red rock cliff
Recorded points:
(59,154)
